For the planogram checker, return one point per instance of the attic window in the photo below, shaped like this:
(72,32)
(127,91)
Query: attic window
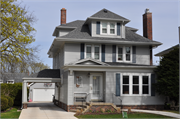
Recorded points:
(105,10)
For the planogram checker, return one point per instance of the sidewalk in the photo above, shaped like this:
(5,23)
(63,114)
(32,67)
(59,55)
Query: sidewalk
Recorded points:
(170,114)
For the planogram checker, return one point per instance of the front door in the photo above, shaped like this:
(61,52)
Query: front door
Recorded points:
(96,87)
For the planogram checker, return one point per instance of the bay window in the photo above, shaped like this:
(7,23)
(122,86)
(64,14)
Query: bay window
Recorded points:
(135,85)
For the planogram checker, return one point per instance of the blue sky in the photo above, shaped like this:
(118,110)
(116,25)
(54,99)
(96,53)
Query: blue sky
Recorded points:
(164,12)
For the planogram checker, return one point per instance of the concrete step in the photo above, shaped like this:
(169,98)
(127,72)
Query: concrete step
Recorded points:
(73,110)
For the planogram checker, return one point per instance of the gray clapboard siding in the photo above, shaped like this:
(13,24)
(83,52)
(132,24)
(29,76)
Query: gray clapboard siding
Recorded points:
(142,55)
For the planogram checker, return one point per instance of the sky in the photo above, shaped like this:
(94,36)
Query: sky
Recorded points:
(165,19)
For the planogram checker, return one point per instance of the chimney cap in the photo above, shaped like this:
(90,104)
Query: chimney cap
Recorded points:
(63,9)
(147,10)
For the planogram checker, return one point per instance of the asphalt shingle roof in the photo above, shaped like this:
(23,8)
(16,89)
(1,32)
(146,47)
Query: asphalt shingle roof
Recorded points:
(103,14)
(47,73)
(124,64)
(82,32)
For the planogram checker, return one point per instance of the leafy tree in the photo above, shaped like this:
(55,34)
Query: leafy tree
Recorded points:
(17,32)
(168,75)
(36,67)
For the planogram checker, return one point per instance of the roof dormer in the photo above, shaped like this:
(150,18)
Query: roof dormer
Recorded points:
(107,24)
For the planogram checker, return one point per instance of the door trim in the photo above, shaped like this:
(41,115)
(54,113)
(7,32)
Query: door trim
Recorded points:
(91,86)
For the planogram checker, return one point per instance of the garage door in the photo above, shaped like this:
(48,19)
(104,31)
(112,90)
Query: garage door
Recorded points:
(43,94)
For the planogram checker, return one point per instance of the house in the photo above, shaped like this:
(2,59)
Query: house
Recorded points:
(103,60)
(162,53)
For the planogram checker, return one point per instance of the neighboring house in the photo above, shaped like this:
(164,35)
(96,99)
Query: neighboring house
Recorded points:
(162,53)
(105,60)
(12,78)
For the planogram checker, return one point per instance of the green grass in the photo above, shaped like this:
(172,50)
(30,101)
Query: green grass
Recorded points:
(132,115)
(11,114)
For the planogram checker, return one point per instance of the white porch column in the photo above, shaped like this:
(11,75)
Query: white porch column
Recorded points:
(70,88)
(24,92)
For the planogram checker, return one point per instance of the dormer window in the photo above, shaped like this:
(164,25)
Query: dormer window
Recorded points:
(108,28)
(104,27)
(112,28)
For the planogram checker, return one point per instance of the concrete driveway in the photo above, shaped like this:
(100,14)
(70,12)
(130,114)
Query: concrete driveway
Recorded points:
(45,111)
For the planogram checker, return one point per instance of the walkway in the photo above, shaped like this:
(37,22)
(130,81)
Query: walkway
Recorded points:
(170,114)
(45,111)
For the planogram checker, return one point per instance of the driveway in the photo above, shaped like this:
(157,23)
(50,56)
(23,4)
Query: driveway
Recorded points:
(45,111)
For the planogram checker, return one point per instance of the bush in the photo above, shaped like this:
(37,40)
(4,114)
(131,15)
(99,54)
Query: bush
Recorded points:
(4,103)
(14,91)
(10,101)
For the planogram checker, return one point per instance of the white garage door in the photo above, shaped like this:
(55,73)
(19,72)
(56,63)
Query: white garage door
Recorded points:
(43,94)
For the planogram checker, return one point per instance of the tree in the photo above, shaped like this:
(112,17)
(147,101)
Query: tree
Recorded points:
(168,75)
(17,32)
(36,67)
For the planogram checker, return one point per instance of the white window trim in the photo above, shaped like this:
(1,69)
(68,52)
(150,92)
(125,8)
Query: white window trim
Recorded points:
(130,84)
(92,51)
(124,54)
(108,28)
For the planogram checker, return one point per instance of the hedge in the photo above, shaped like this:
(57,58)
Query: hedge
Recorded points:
(14,91)
(10,100)
(4,103)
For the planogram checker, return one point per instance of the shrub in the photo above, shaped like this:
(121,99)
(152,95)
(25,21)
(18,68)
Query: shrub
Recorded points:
(103,110)
(10,101)
(14,91)
(4,103)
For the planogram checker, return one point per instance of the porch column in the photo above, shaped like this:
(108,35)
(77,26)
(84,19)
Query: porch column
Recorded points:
(70,88)
(24,92)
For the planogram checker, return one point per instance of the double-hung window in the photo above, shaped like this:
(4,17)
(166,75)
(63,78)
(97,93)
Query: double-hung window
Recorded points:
(128,53)
(135,85)
(93,51)
(96,52)
(145,84)
(104,27)
(112,28)
(120,53)
(124,54)
(88,51)
(125,84)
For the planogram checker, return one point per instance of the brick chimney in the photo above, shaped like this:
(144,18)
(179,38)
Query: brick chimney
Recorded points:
(147,29)
(63,16)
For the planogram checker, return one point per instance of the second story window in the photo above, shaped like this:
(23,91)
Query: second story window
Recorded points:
(128,53)
(93,51)
(88,51)
(96,52)
(120,54)
(124,54)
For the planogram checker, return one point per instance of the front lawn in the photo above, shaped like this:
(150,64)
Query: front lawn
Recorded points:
(11,114)
(132,115)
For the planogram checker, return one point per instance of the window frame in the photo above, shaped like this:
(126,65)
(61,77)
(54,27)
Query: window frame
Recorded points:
(131,83)
(124,53)
(125,84)
(93,51)
(108,28)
